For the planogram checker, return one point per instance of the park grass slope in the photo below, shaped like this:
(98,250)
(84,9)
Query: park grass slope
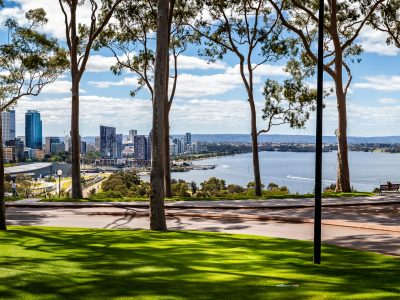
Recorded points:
(61,263)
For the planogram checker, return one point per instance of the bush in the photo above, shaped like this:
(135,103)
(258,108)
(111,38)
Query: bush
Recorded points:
(235,189)
(332,186)
(180,189)
(376,190)
(109,194)
(271,186)
(252,183)
(329,191)
(212,186)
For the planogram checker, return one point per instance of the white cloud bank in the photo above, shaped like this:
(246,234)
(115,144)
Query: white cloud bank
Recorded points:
(380,83)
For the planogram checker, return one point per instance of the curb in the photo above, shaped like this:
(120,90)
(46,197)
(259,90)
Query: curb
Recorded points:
(240,216)
(122,205)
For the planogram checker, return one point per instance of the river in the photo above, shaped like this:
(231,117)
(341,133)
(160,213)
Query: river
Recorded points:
(296,170)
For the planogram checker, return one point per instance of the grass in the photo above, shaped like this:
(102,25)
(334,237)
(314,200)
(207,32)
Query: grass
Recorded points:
(94,199)
(13,199)
(66,263)
(66,184)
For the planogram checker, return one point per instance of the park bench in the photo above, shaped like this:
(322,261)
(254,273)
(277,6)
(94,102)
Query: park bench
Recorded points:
(389,187)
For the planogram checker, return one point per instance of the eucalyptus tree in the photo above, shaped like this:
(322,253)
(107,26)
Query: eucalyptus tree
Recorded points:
(288,103)
(80,38)
(246,29)
(387,19)
(131,37)
(343,21)
(28,63)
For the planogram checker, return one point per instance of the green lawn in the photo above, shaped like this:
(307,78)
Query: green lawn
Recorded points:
(65,263)
(13,199)
(94,199)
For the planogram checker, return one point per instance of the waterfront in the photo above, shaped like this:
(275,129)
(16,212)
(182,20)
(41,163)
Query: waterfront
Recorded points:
(367,170)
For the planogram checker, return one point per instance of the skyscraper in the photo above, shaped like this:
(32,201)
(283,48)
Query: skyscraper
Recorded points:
(33,129)
(140,148)
(51,140)
(149,144)
(12,124)
(132,134)
(5,123)
(110,142)
(188,137)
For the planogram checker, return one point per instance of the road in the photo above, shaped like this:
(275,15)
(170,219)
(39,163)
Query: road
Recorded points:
(385,242)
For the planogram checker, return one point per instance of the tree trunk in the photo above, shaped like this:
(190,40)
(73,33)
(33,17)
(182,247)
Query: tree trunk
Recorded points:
(76,191)
(254,139)
(167,164)
(2,189)
(157,213)
(343,174)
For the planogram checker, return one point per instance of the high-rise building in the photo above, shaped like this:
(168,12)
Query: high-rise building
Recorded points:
(19,149)
(5,123)
(90,148)
(132,134)
(67,142)
(12,124)
(97,143)
(39,154)
(140,148)
(50,140)
(33,129)
(110,142)
(82,147)
(188,137)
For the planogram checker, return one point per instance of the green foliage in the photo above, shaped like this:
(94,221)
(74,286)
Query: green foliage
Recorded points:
(251,185)
(109,194)
(289,103)
(271,186)
(235,189)
(180,189)
(212,186)
(50,179)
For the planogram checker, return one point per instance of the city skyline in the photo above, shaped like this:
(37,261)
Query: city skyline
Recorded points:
(210,98)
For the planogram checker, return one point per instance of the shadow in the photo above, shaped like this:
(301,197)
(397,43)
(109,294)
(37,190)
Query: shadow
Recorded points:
(38,263)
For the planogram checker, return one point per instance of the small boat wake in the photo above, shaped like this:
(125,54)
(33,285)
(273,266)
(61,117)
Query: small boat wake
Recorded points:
(305,178)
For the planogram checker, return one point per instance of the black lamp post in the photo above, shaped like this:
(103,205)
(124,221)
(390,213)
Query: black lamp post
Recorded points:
(59,172)
(318,143)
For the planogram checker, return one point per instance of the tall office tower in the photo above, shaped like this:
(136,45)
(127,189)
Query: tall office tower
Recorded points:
(67,142)
(82,148)
(55,147)
(108,142)
(119,140)
(33,129)
(149,144)
(5,123)
(132,134)
(97,143)
(140,147)
(188,137)
(12,124)
(22,138)
(50,140)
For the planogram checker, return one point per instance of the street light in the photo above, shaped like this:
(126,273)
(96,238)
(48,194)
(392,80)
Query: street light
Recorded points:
(59,172)
(318,143)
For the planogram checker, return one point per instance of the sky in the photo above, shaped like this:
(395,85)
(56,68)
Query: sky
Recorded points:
(210,98)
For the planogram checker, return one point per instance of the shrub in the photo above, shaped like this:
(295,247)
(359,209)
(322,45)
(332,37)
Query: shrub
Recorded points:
(251,185)
(235,189)
(329,191)
(271,186)
(332,186)
(180,189)
(212,186)
(376,190)
(108,194)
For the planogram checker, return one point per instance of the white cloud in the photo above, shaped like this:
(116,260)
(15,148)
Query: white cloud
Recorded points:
(266,70)
(192,62)
(387,101)
(58,87)
(196,86)
(380,83)
(98,63)
(374,41)
(55,26)
(106,84)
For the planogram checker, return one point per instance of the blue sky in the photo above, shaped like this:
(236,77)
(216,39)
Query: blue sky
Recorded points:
(210,97)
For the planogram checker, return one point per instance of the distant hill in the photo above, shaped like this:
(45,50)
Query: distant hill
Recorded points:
(274,138)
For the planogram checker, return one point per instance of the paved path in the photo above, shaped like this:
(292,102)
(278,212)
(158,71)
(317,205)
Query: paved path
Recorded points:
(235,204)
(385,242)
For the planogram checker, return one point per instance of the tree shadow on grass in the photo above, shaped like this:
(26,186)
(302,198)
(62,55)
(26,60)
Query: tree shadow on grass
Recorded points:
(39,263)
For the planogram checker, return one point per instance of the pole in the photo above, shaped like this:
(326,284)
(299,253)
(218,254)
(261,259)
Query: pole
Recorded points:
(59,186)
(318,144)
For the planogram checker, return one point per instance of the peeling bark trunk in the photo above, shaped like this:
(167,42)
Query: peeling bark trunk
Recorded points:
(76,191)
(157,212)
(343,173)
(3,225)
(167,164)
(254,140)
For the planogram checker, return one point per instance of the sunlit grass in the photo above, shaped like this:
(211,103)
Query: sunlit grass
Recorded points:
(67,263)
